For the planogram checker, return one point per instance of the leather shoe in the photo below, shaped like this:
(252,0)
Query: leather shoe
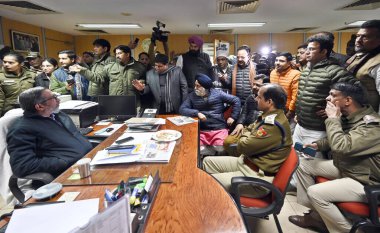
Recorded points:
(309,220)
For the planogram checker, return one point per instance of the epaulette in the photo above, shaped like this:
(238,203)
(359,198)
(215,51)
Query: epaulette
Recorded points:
(270,119)
(368,119)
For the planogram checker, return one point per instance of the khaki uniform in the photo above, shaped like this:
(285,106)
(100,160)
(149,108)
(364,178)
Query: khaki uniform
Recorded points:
(255,139)
(11,86)
(354,144)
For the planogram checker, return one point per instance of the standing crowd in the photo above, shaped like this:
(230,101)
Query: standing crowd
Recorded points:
(251,110)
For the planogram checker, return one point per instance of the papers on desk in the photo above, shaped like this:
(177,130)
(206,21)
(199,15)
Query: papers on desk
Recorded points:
(115,219)
(149,151)
(76,104)
(57,218)
(146,121)
(181,120)
(103,132)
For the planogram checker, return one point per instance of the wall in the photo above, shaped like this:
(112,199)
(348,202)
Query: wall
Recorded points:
(53,40)
(56,41)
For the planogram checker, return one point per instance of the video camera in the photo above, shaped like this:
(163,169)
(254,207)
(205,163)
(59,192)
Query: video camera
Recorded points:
(158,34)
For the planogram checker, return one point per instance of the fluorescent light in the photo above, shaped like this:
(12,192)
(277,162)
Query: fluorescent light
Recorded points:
(109,25)
(356,23)
(229,25)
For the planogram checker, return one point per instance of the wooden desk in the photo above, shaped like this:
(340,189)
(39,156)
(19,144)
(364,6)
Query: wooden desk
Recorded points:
(193,202)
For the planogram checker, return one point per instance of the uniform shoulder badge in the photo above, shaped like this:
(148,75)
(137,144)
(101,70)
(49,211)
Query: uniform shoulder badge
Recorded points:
(261,132)
(370,119)
(270,119)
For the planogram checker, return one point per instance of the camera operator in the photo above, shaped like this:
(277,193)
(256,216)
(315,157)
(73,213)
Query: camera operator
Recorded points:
(158,35)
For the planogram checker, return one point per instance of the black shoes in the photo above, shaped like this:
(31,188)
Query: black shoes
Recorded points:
(310,220)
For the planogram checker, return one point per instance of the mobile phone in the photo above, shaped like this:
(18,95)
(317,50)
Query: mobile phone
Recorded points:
(70,81)
(307,150)
(127,139)
(136,40)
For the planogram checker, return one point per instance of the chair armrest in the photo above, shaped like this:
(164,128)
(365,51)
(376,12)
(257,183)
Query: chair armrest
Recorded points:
(42,177)
(373,195)
(277,196)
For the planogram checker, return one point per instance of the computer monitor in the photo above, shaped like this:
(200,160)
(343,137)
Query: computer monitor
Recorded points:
(117,107)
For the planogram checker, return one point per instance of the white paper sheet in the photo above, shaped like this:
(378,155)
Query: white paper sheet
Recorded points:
(57,218)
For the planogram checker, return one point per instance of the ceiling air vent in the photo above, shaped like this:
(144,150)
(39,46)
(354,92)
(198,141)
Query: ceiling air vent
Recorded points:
(236,7)
(92,31)
(221,31)
(25,7)
(362,5)
(350,29)
(304,29)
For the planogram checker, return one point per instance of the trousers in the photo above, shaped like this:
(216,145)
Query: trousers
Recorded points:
(223,168)
(321,197)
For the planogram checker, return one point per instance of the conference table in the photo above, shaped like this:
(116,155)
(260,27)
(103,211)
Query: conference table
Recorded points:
(188,199)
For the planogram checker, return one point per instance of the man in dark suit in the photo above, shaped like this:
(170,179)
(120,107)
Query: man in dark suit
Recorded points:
(167,84)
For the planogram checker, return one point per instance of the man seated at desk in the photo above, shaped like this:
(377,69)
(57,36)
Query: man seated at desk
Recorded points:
(43,139)
(207,104)
(263,145)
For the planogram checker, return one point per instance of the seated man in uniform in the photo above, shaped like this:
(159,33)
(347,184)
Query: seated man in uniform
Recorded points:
(248,115)
(264,145)
(353,135)
(43,139)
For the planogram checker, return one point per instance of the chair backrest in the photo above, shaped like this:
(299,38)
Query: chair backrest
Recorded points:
(284,175)
(5,169)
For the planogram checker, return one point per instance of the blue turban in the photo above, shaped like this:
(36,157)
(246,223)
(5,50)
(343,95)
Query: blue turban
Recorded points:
(204,80)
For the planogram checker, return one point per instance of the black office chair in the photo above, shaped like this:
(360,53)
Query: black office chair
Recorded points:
(38,180)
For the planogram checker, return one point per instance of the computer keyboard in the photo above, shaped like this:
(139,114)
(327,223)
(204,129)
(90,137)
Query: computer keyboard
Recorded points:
(85,131)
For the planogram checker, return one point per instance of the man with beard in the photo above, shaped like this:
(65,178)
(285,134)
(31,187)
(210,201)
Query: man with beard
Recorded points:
(35,61)
(287,78)
(65,81)
(222,71)
(119,74)
(301,57)
(43,139)
(243,73)
(194,62)
(365,64)
(207,104)
(248,115)
(167,84)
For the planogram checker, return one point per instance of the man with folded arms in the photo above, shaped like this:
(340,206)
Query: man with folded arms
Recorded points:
(43,139)
(353,135)
(263,146)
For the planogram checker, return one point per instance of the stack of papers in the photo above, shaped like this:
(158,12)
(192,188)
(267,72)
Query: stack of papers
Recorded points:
(61,217)
(146,150)
(181,120)
(145,121)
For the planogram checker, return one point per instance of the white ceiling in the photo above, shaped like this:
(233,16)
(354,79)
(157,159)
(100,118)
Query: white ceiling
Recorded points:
(192,16)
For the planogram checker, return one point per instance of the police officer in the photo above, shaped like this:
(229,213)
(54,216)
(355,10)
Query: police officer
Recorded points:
(263,145)
(353,134)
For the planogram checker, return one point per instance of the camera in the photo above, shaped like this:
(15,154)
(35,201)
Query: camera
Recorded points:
(158,34)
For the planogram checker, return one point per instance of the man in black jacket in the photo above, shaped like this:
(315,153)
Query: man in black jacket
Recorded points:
(194,62)
(44,139)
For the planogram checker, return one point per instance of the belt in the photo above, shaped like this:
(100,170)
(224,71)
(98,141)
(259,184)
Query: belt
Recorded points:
(256,168)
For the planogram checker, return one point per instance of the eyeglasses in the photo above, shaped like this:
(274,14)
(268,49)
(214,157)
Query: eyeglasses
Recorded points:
(54,96)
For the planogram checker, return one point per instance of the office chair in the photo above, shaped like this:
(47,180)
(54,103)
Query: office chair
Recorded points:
(368,212)
(271,203)
(15,187)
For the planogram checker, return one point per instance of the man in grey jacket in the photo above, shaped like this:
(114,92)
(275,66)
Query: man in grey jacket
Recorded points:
(167,84)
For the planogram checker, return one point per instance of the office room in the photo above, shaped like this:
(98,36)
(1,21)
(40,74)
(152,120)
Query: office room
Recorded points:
(196,100)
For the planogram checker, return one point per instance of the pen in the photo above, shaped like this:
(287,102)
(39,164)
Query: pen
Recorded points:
(101,131)
(120,147)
